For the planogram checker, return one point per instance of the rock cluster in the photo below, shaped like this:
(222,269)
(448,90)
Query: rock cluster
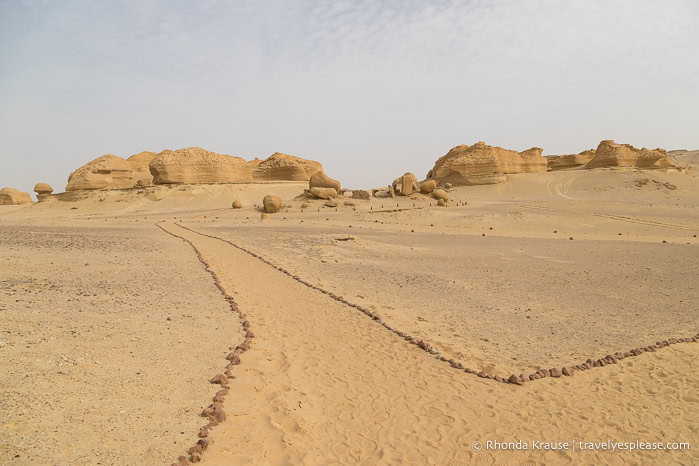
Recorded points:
(484,164)
(10,196)
(106,172)
(610,154)
(563,162)
(283,167)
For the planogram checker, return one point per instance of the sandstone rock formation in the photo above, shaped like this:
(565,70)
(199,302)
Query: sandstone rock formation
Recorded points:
(361,194)
(324,193)
(684,158)
(43,191)
(405,185)
(563,162)
(426,187)
(483,164)
(283,167)
(441,195)
(139,164)
(610,154)
(10,196)
(195,165)
(272,204)
(237,204)
(331,203)
(106,172)
(321,180)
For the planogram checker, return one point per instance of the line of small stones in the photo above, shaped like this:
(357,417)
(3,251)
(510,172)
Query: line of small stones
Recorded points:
(214,412)
(512,379)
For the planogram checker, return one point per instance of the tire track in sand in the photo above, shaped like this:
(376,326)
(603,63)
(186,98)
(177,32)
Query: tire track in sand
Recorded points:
(323,385)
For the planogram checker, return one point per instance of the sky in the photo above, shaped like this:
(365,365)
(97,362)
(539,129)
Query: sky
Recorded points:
(371,89)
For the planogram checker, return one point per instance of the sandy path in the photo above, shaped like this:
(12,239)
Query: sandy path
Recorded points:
(324,383)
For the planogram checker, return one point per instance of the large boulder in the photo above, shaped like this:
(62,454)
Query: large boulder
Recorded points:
(10,196)
(406,184)
(324,193)
(139,164)
(43,188)
(610,154)
(564,162)
(321,180)
(441,195)
(283,167)
(106,172)
(272,204)
(426,187)
(484,164)
(195,165)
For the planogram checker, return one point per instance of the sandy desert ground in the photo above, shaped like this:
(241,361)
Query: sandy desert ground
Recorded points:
(117,311)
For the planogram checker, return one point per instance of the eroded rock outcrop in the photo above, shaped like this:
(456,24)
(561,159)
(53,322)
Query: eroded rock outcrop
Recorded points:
(484,164)
(139,164)
(10,196)
(106,172)
(564,162)
(321,180)
(283,167)
(610,154)
(195,165)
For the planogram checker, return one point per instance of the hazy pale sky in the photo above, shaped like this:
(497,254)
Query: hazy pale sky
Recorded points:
(371,89)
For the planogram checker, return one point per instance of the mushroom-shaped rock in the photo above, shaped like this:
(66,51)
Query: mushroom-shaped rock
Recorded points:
(272,204)
(283,167)
(43,188)
(106,172)
(139,164)
(10,196)
(426,187)
(440,194)
(324,193)
(321,180)
(195,165)
(237,204)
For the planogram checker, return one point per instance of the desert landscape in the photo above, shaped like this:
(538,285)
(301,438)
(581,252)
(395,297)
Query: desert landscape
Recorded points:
(186,306)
